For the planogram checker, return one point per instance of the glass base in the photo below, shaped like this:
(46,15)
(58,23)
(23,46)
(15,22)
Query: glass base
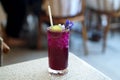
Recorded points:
(57,72)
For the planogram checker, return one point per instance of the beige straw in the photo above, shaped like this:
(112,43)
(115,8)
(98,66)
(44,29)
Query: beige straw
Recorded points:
(50,14)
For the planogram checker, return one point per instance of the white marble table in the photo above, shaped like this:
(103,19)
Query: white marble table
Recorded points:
(37,70)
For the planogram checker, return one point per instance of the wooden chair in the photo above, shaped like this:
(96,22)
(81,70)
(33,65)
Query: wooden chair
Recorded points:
(57,20)
(103,9)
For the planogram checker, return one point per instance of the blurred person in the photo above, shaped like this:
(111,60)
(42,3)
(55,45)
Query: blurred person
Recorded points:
(16,11)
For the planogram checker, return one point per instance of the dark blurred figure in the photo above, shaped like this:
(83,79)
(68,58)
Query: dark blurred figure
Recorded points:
(16,11)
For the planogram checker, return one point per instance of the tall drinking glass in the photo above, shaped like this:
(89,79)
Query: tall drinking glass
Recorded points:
(58,44)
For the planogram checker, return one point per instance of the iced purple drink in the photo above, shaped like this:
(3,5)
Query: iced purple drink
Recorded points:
(58,45)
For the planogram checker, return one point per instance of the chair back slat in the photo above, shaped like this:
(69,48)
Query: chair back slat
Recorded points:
(105,4)
(83,3)
(112,5)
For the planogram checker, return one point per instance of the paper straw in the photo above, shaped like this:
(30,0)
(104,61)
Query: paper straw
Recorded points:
(50,15)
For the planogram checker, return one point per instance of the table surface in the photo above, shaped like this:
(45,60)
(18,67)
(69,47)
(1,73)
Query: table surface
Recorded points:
(38,70)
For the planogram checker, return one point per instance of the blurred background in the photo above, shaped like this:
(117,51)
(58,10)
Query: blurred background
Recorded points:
(101,21)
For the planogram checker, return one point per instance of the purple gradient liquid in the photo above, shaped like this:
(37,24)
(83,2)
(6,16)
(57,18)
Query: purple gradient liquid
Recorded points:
(58,44)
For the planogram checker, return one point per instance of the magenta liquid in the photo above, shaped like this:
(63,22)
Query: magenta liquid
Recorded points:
(58,44)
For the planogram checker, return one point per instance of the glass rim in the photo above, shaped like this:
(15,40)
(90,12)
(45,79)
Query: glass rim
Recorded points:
(65,30)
